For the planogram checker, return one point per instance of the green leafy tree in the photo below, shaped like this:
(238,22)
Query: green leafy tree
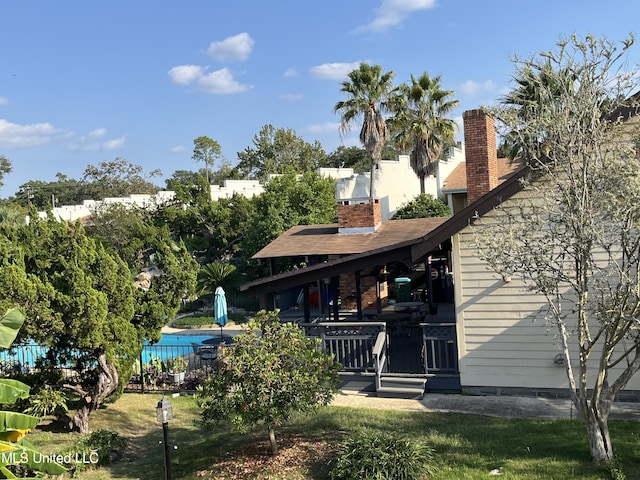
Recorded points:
(423,206)
(11,215)
(211,231)
(191,188)
(207,151)
(145,246)
(117,178)
(225,172)
(350,157)
(288,201)
(276,150)
(272,371)
(368,90)
(420,121)
(79,303)
(573,237)
(46,195)
(5,168)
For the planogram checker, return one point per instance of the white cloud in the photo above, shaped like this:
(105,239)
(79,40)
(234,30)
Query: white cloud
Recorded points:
(333,71)
(115,143)
(177,149)
(232,49)
(291,97)
(185,74)
(13,135)
(472,88)
(391,13)
(220,82)
(93,142)
(4,101)
(291,72)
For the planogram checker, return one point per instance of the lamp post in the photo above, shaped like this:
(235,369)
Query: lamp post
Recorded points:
(164,413)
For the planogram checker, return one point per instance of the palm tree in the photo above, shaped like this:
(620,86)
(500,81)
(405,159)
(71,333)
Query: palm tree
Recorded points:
(368,89)
(537,94)
(213,275)
(420,121)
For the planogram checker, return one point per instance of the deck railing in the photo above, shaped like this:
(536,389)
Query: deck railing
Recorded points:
(439,347)
(350,342)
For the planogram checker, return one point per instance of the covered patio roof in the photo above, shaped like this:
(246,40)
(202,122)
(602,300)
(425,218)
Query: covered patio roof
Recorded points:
(409,251)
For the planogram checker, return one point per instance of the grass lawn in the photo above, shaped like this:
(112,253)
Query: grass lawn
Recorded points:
(203,319)
(467,446)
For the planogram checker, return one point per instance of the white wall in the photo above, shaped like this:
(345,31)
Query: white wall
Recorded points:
(397,182)
(247,188)
(71,213)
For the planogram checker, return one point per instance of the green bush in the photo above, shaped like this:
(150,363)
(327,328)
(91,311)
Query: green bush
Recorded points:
(373,455)
(47,401)
(96,450)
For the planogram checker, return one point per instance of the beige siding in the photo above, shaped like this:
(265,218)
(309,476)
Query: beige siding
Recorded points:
(503,339)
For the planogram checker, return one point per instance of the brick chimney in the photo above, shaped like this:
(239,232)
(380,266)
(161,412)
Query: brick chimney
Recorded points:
(481,155)
(359,215)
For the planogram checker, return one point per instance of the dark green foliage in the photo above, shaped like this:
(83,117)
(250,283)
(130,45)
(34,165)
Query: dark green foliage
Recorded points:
(272,371)
(375,455)
(423,206)
(277,150)
(286,202)
(117,178)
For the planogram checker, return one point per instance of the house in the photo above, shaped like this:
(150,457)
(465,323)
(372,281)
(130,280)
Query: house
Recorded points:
(482,338)
(399,182)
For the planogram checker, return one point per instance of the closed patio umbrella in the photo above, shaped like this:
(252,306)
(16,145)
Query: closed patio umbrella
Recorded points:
(220,308)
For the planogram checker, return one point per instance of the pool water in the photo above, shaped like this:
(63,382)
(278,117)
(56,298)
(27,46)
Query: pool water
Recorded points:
(176,339)
(171,346)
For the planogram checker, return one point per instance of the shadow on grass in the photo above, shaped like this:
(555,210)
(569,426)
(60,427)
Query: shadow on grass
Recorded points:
(467,446)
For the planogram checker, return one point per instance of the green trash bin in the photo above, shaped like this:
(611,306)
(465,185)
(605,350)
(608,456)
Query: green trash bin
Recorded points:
(403,289)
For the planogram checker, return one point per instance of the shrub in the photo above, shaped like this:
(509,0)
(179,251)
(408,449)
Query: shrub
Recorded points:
(47,401)
(96,450)
(369,455)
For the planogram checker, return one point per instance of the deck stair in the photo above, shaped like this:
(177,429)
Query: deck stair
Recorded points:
(401,386)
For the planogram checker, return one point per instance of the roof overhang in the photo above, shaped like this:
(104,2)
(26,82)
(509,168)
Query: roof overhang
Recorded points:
(409,252)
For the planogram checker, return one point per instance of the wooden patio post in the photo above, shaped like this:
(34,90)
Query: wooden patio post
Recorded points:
(358,295)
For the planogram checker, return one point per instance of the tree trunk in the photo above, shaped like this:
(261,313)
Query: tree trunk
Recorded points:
(106,384)
(372,181)
(272,442)
(597,423)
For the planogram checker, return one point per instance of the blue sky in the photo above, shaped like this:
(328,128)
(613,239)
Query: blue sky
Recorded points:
(83,82)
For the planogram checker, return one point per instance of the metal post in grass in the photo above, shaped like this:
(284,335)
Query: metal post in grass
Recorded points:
(164,413)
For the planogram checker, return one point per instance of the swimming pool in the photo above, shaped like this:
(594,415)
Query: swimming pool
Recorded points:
(171,346)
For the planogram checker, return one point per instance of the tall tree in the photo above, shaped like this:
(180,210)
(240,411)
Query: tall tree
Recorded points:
(288,201)
(276,150)
(207,151)
(117,178)
(191,188)
(5,167)
(154,257)
(572,237)
(79,302)
(420,121)
(368,90)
